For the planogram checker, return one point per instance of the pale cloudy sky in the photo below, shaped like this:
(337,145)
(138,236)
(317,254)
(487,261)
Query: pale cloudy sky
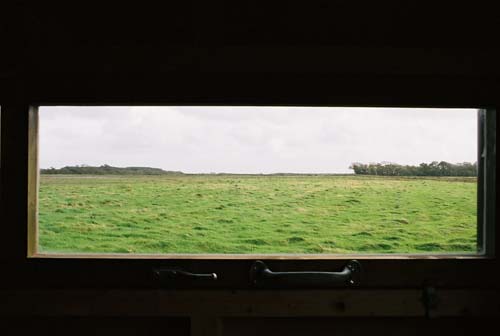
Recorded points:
(254,139)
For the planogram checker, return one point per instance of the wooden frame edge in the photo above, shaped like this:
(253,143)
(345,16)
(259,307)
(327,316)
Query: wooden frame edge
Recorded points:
(33,176)
(222,256)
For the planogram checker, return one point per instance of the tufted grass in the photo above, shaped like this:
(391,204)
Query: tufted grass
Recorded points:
(256,214)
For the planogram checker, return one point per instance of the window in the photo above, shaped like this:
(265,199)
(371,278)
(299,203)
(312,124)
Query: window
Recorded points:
(21,144)
(247,182)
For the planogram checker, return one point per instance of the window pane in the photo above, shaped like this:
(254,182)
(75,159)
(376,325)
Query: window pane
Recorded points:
(257,180)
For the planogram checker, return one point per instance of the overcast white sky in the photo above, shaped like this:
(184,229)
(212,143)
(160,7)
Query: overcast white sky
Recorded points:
(254,139)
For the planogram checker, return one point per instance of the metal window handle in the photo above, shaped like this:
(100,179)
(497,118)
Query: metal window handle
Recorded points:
(169,275)
(262,276)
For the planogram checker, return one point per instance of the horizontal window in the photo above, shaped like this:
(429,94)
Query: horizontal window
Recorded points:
(199,180)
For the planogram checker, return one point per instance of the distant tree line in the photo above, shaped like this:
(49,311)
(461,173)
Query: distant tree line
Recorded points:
(434,168)
(107,170)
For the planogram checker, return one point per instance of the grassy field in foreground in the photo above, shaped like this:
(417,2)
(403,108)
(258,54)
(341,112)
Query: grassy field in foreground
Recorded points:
(256,214)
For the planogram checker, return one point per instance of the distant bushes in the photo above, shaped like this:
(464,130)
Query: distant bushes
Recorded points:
(107,170)
(383,169)
(432,169)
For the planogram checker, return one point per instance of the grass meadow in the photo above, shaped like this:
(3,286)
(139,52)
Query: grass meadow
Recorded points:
(256,214)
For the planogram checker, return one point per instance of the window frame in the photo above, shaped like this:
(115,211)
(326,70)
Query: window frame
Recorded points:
(486,182)
(485,247)
(391,271)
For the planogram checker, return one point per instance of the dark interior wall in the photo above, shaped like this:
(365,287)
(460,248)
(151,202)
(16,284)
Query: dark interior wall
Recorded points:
(100,326)
(238,52)
(255,52)
(147,326)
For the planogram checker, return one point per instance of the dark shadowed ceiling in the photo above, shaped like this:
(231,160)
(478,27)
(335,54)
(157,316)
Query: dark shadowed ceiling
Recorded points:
(51,41)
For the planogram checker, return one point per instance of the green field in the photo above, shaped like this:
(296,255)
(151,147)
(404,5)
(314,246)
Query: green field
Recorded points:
(256,214)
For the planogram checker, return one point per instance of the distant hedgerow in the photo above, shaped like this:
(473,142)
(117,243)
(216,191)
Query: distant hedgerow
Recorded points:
(107,170)
(432,169)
